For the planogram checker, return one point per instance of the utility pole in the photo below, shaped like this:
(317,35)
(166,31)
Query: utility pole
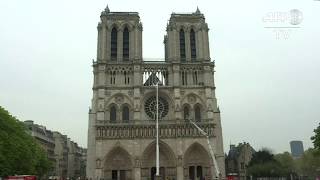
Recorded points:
(157,129)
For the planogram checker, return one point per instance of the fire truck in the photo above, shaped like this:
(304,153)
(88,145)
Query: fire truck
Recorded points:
(21,177)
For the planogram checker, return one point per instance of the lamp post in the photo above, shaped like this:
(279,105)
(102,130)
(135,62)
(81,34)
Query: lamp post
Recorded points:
(157,130)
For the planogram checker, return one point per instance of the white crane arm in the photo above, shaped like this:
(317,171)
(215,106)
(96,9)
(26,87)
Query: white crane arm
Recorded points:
(210,148)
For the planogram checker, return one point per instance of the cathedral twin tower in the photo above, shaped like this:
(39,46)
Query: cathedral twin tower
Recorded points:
(121,134)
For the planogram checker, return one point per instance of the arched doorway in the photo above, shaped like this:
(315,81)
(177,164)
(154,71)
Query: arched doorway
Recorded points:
(118,165)
(167,162)
(197,163)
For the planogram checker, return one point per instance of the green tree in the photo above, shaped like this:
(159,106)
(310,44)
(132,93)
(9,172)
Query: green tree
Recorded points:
(309,163)
(19,153)
(287,164)
(316,138)
(263,164)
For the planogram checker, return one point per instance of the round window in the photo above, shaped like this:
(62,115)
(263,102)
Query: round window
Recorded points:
(150,107)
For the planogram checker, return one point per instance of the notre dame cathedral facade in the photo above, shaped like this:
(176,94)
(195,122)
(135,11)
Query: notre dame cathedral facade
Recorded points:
(121,132)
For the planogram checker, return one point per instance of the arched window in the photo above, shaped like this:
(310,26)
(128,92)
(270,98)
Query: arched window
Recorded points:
(125,113)
(125,44)
(197,113)
(114,44)
(182,46)
(113,114)
(186,113)
(193,45)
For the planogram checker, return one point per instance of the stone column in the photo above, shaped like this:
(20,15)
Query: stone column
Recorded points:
(107,48)
(206,53)
(207,80)
(120,45)
(180,174)
(175,44)
(170,45)
(137,82)
(199,45)
(176,75)
(99,56)
(91,154)
(136,43)
(137,173)
(131,44)
(140,42)
(103,43)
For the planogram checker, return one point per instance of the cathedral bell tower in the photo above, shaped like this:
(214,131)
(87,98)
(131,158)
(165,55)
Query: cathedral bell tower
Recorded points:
(119,37)
(121,132)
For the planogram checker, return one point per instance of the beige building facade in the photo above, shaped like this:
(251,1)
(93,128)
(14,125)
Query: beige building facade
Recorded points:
(67,158)
(121,132)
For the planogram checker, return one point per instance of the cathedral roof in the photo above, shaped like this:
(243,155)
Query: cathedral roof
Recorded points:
(107,12)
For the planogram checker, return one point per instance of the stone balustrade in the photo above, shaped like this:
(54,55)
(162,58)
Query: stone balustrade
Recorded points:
(147,130)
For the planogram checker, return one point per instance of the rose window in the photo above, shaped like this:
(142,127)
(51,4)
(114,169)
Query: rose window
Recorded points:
(150,107)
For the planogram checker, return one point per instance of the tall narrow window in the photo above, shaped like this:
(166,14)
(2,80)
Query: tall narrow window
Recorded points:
(111,77)
(193,45)
(186,113)
(125,77)
(113,114)
(195,77)
(182,78)
(114,44)
(126,44)
(125,114)
(197,113)
(182,46)
(114,77)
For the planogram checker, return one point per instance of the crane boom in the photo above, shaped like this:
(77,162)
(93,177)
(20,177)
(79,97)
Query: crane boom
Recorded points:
(210,148)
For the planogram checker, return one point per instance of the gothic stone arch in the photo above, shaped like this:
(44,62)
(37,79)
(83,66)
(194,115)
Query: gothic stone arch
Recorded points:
(118,165)
(167,161)
(196,162)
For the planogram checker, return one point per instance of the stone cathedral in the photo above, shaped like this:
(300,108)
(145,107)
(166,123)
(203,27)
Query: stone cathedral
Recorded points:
(121,132)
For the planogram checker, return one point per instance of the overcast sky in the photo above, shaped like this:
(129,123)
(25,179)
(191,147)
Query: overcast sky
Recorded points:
(267,79)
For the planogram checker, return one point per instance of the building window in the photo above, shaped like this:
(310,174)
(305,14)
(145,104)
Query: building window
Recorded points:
(186,113)
(195,77)
(182,46)
(112,77)
(126,44)
(126,77)
(193,45)
(125,113)
(150,107)
(184,78)
(242,165)
(113,114)
(114,44)
(197,113)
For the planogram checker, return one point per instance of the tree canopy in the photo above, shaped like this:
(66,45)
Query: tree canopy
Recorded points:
(316,138)
(265,164)
(19,153)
